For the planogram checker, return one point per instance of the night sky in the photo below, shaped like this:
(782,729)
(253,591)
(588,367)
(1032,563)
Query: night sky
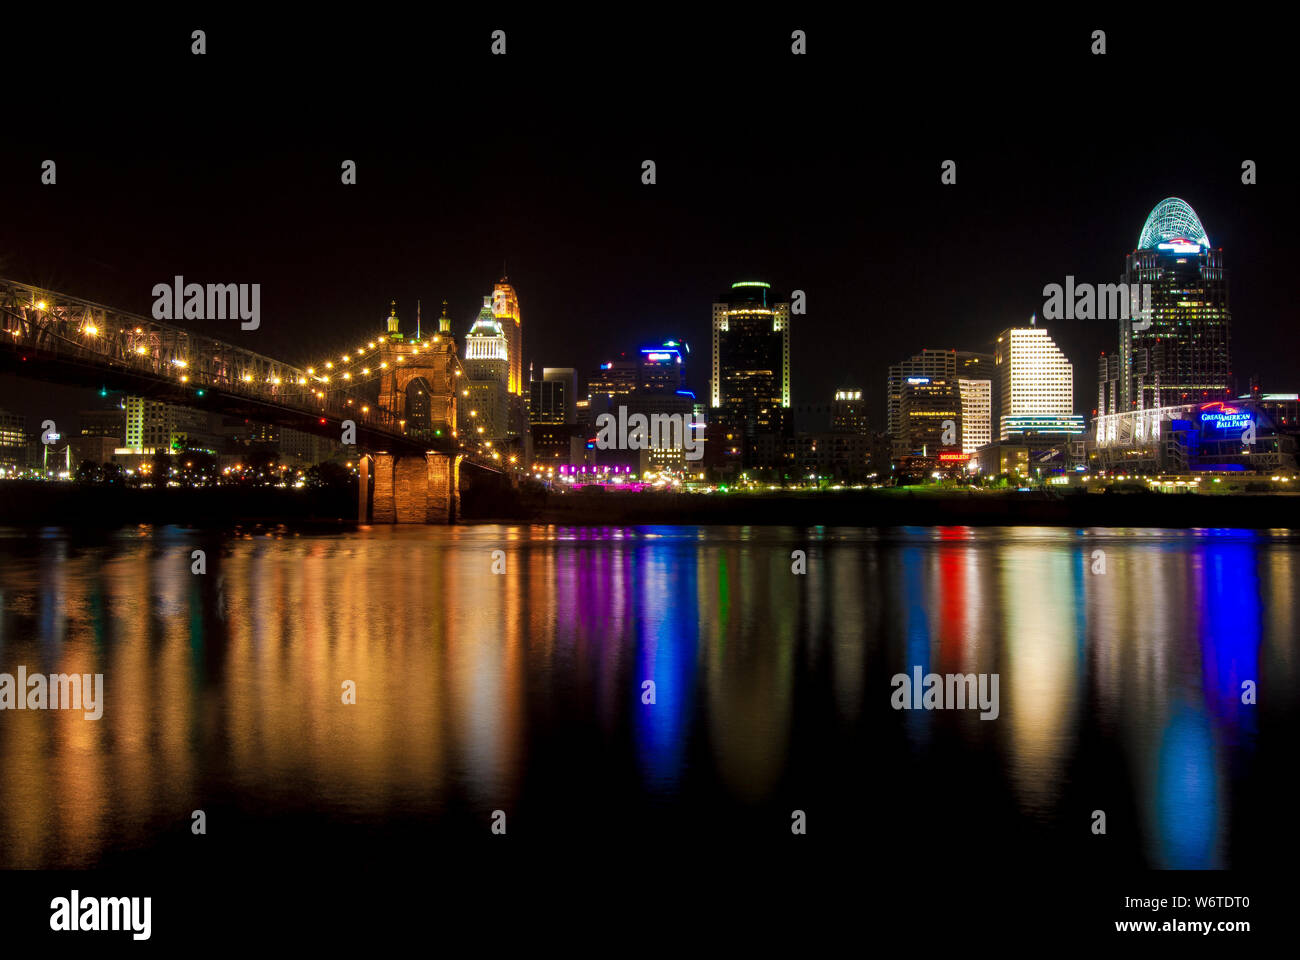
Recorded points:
(819,173)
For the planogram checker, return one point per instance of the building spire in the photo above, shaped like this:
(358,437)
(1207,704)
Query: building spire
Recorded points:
(444,322)
(394,333)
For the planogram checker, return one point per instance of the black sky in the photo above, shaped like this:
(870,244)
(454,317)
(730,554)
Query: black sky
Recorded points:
(819,173)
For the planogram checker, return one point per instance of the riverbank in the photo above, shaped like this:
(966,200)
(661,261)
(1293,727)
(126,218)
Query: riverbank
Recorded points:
(69,505)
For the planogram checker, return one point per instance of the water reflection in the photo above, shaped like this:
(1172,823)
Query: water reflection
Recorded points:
(475,680)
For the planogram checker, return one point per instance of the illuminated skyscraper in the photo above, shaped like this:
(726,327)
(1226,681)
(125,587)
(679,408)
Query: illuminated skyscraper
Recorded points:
(1183,355)
(750,382)
(929,405)
(1036,383)
(662,366)
(976,414)
(615,378)
(485,412)
(154,425)
(952,365)
(505,307)
(553,399)
(848,413)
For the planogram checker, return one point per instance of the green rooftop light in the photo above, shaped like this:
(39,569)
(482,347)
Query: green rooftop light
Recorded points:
(750,283)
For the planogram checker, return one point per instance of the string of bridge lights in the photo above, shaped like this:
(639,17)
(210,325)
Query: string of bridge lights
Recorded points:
(326,372)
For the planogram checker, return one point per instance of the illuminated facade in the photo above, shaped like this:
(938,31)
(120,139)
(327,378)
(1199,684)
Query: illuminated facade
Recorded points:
(154,425)
(750,380)
(615,378)
(1177,350)
(976,414)
(486,394)
(419,382)
(662,366)
(1216,436)
(505,307)
(848,414)
(929,403)
(945,364)
(13,440)
(553,399)
(1035,381)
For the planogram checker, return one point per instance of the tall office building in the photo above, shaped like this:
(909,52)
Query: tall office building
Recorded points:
(505,307)
(976,414)
(553,399)
(1178,351)
(750,382)
(1036,383)
(848,412)
(950,365)
(663,366)
(154,425)
(13,441)
(485,407)
(929,404)
(615,378)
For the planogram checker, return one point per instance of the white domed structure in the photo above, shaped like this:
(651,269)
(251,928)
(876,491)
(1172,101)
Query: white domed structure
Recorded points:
(1173,221)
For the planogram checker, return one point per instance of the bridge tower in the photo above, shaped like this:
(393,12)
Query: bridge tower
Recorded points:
(418,379)
(417,385)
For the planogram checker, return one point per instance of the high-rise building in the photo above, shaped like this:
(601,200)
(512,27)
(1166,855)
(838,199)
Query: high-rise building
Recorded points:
(750,383)
(154,425)
(553,399)
(832,441)
(848,414)
(662,366)
(505,307)
(615,378)
(13,441)
(929,405)
(1177,350)
(108,420)
(1036,383)
(976,413)
(485,407)
(944,364)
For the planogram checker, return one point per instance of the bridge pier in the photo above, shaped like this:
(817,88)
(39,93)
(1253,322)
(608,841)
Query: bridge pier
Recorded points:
(365,493)
(420,488)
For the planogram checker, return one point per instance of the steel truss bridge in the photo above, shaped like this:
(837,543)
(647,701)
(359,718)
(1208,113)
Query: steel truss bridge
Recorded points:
(51,336)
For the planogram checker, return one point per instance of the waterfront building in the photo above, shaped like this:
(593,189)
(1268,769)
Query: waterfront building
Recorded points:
(1177,350)
(749,387)
(1210,437)
(1035,383)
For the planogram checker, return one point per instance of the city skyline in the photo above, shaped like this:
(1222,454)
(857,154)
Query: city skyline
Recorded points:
(664,456)
(574,327)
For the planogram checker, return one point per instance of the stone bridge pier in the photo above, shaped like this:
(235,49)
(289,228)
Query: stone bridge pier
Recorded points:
(409,488)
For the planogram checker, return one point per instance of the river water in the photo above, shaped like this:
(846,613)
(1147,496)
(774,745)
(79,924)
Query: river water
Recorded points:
(505,668)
